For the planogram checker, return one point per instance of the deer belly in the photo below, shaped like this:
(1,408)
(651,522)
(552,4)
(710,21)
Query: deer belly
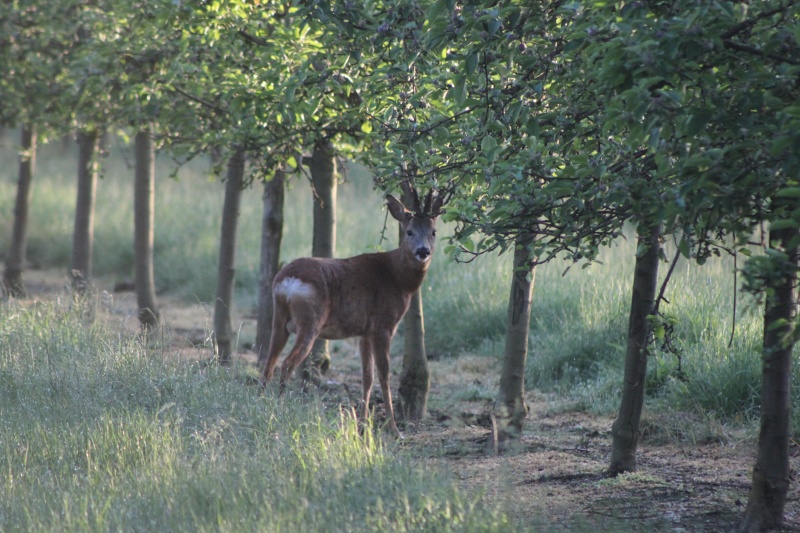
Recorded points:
(332,332)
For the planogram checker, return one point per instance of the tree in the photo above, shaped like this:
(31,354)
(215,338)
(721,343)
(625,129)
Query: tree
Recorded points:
(226,271)
(625,430)
(703,90)
(322,167)
(512,410)
(15,263)
(271,235)
(771,472)
(474,116)
(33,49)
(415,376)
(83,234)
(144,213)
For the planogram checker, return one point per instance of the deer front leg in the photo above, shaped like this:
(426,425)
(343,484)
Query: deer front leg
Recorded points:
(367,375)
(380,346)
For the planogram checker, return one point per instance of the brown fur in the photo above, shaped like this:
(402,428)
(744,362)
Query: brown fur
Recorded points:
(363,296)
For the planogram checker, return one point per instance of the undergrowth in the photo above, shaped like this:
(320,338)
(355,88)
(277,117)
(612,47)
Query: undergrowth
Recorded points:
(100,432)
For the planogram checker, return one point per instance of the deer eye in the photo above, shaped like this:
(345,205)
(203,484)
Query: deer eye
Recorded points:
(434,233)
(409,233)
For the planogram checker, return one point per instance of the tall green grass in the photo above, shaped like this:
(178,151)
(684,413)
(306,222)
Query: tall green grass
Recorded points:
(579,320)
(102,433)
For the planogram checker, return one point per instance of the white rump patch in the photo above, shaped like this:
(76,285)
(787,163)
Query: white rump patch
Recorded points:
(293,287)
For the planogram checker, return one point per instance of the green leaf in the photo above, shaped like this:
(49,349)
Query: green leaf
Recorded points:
(697,121)
(683,246)
(472,63)
(786,223)
(488,145)
(366,126)
(788,192)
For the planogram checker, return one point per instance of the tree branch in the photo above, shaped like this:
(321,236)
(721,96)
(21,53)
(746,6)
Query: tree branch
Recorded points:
(755,51)
(199,100)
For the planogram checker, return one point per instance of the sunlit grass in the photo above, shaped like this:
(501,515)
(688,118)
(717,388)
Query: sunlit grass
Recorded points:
(101,433)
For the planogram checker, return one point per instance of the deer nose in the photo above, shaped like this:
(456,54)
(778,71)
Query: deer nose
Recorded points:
(422,253)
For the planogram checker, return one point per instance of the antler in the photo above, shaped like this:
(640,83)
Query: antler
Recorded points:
(412,193)
(436,205)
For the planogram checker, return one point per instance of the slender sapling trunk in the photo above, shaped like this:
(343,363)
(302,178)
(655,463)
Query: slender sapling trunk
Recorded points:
(83,232)
(322,167)
(143,218)
(226,270)
(771,472)
(511,410)
(15,263)
(271,235)
(625,430)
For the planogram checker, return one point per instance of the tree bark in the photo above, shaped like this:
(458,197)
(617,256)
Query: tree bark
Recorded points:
(271,235)
(143,222)
(83,232)
(15,264)
(511,409)
(771,475)
(625,430)
(322,166)
(415,377)
(226,271)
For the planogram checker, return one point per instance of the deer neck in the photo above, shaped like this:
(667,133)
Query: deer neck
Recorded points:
(408,271)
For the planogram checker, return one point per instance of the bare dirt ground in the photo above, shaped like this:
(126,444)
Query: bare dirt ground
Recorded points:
(691,477)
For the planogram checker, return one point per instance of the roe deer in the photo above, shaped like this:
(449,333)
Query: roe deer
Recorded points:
(363,296)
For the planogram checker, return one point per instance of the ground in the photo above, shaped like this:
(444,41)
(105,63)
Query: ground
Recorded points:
(553,479)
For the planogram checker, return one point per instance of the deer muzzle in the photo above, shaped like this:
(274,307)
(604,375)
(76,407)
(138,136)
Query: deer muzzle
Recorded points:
(422,254)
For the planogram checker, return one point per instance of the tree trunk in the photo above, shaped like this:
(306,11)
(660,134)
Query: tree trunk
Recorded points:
(271,235)
(511,403)
(143,222)
(771,475)
(226,271)
(15,263)
(322,166)
(83,232)
(625,430)
(415,377)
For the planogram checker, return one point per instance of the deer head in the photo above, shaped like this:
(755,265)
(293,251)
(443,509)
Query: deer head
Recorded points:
(419,225)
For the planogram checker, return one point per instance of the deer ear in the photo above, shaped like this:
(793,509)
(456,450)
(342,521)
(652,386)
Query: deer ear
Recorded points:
(397,209)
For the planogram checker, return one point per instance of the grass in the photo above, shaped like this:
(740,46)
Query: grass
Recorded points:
(579,320)
(101,433)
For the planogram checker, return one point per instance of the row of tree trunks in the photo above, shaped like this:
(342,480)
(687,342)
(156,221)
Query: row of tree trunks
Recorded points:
(226,270)
(143,228)
(271,236)
(15,262)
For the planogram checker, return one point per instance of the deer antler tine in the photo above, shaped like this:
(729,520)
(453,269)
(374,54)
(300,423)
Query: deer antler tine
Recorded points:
(436,207)
(427,206)
(411,192)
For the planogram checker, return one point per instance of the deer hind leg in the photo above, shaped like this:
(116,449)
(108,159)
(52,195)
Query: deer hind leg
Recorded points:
(308,325)
(277,342)
(380,345)
(367,374)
